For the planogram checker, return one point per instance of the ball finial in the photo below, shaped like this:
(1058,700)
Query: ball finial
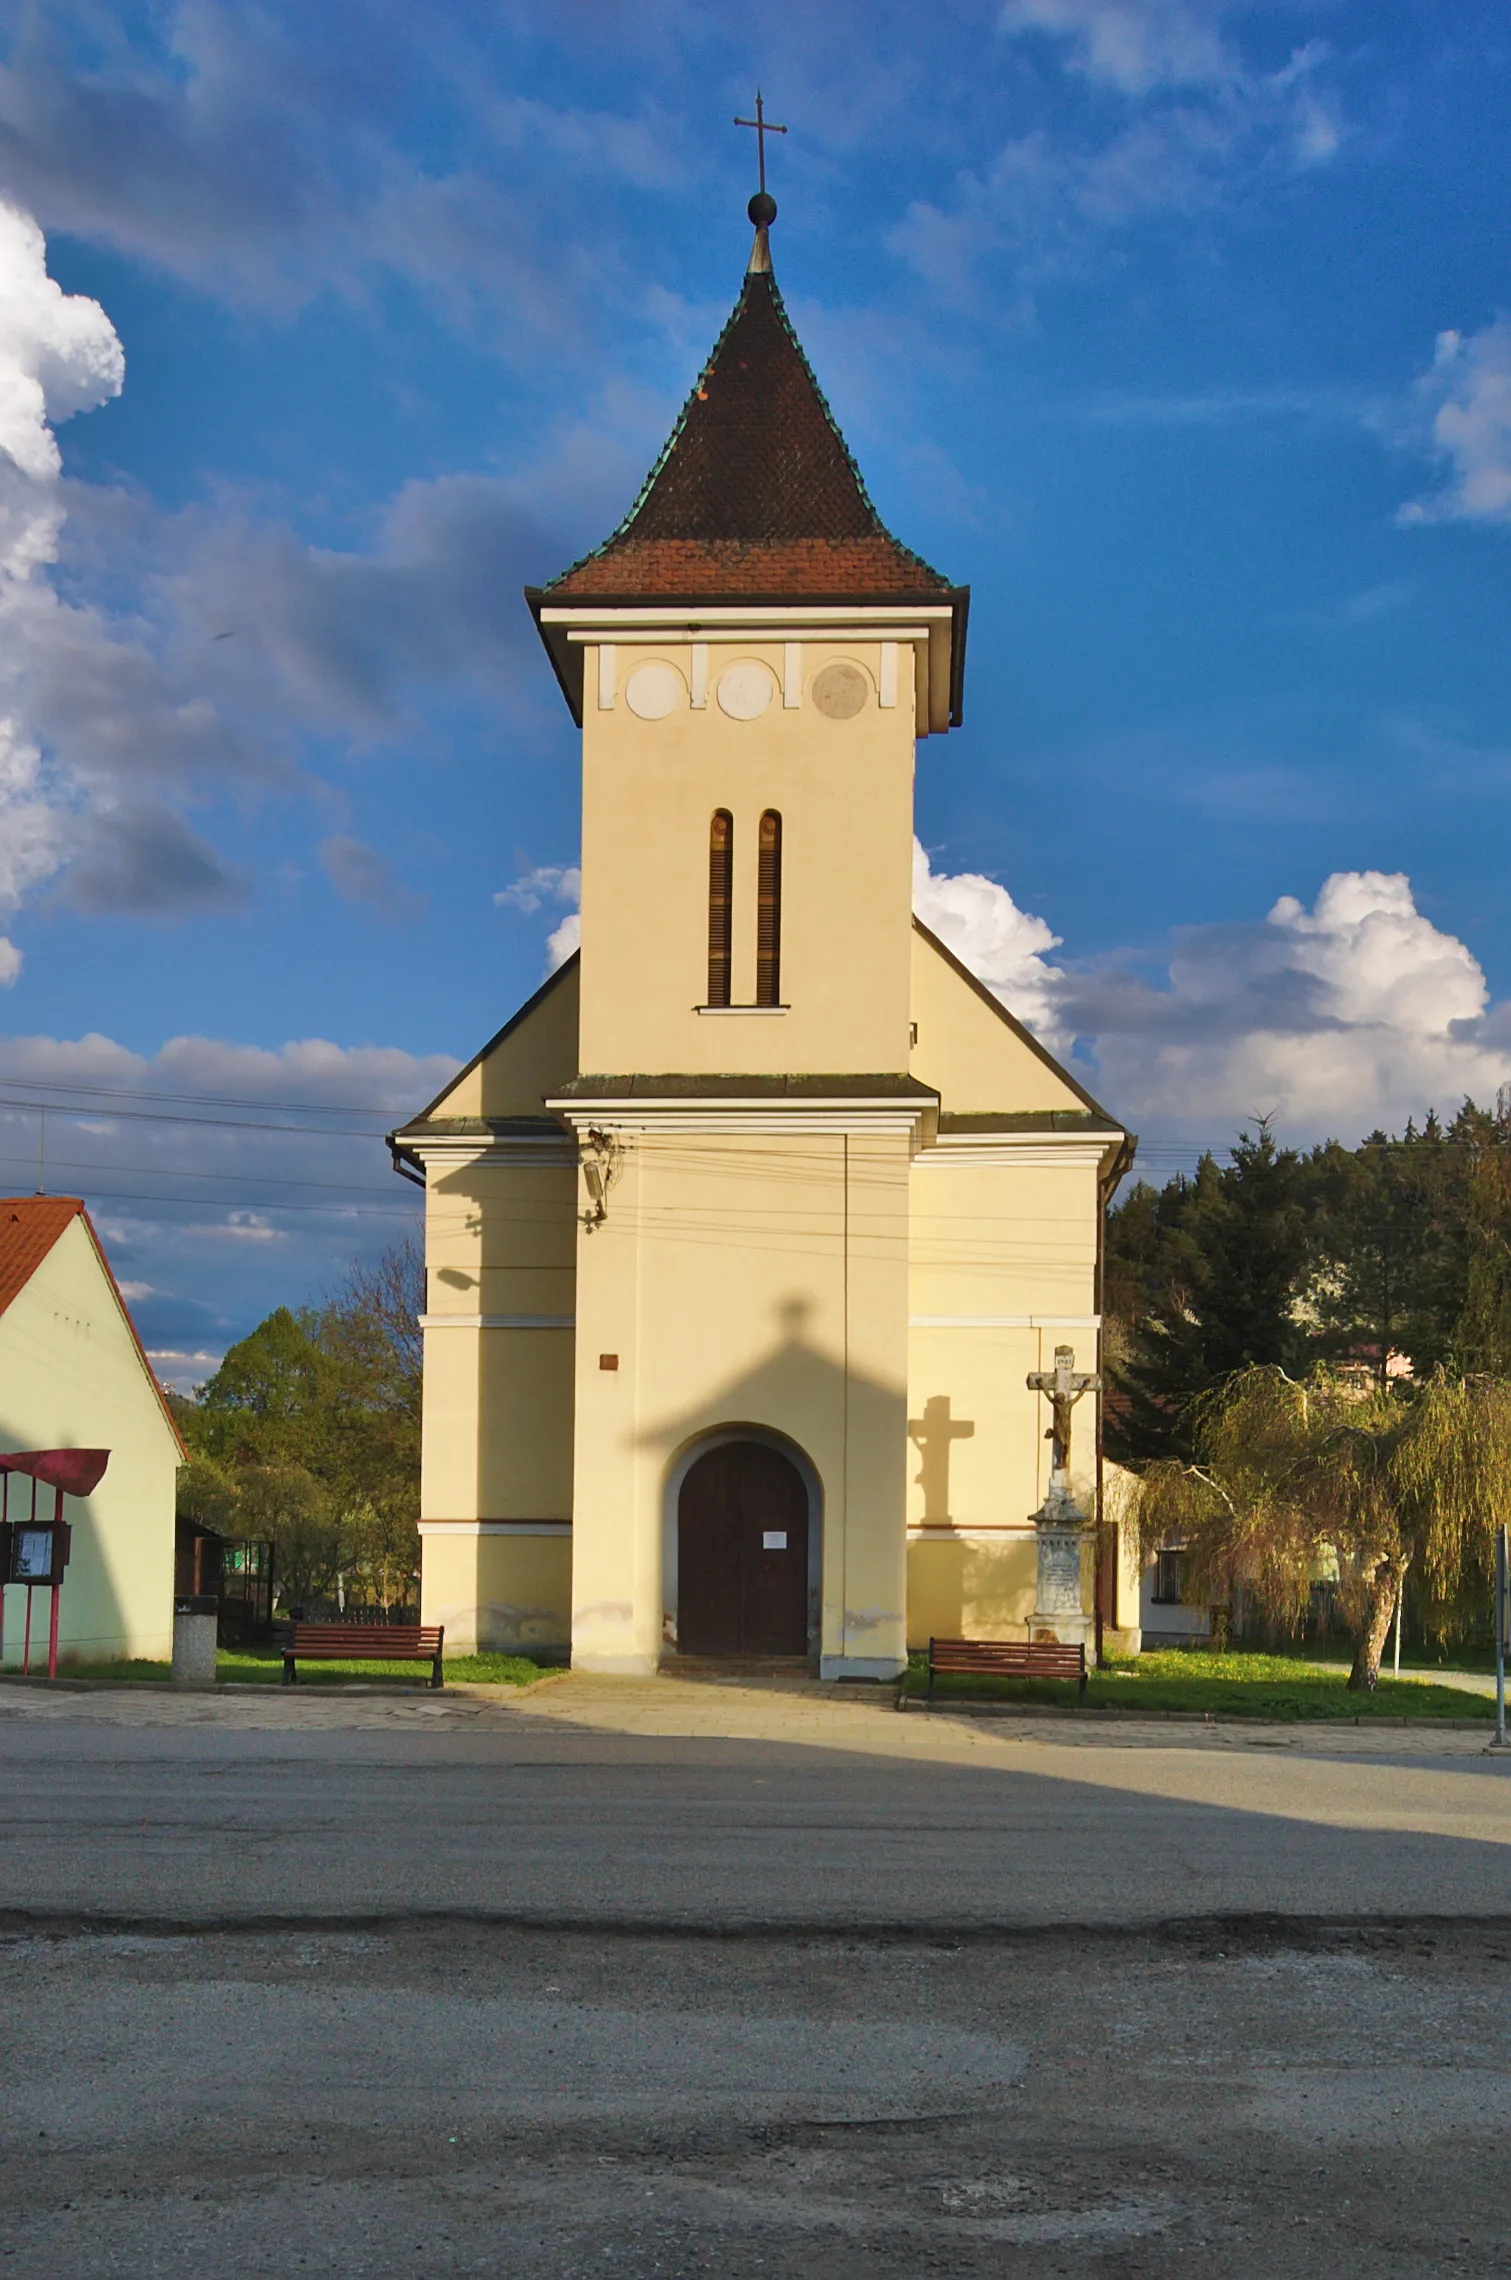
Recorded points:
(762,209)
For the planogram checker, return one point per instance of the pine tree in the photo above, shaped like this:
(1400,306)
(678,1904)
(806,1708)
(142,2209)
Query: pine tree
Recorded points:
(1220,1261)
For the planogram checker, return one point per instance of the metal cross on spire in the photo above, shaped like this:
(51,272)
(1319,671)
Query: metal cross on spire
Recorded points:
(763,127)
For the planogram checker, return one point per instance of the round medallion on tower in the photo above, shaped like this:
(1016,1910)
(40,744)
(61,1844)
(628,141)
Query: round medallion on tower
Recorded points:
(653,691)
(840,691)
(745,690)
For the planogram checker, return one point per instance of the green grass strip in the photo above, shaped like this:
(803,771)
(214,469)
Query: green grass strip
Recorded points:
(1234,1685)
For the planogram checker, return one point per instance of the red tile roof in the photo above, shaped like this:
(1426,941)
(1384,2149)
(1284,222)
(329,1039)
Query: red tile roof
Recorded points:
(29,1227)
(755,494)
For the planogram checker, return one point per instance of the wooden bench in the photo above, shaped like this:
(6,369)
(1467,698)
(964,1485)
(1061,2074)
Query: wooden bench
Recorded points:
(362,1642)
(1007,1658)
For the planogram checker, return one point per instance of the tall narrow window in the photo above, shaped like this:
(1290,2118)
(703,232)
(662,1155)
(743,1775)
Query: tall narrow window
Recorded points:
(721,868)
(769,912)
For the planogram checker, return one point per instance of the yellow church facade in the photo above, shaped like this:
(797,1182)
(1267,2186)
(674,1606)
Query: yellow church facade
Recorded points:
(744,1234)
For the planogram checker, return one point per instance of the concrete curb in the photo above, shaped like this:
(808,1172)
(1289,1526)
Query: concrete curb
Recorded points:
(1110,1715)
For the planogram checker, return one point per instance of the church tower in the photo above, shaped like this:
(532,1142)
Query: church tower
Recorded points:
(677,1237)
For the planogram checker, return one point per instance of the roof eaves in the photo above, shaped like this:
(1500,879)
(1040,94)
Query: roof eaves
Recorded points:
(736,1085)
(522,1013)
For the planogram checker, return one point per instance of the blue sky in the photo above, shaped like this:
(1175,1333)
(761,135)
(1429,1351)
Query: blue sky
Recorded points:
(1174,328)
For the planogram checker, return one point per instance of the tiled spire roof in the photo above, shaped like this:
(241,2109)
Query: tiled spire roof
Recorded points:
(755,494)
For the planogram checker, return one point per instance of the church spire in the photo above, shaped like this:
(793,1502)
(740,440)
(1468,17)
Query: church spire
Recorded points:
(755,497)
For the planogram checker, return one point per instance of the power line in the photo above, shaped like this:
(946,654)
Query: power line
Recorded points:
(208,1123)
(210,1100)
(183,1172)
(211,1203)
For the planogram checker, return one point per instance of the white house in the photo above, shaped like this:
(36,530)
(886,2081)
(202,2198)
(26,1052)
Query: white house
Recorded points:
(73,1375)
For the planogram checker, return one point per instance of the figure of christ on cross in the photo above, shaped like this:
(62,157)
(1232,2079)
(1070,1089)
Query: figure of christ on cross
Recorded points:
(1064,1385)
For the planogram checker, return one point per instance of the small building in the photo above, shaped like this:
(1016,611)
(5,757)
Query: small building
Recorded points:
(1166,1618)
(73,1375)
(744,1234)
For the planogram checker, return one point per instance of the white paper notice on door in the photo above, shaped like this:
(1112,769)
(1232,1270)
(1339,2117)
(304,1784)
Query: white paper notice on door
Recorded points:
(774,1540)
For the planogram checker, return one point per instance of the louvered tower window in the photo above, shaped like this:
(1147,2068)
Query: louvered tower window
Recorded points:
(721,865)
(769,912)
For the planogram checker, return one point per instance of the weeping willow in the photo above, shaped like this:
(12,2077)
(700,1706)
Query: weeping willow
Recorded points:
(1296,1479)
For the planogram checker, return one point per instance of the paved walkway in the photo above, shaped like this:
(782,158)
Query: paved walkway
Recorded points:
(795,1711)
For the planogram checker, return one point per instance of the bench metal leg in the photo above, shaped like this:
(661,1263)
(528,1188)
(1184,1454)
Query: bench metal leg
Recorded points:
(437,1677)
(288,1671)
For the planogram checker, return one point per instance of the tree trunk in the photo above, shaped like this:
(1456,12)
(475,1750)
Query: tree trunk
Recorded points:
(1384,1589)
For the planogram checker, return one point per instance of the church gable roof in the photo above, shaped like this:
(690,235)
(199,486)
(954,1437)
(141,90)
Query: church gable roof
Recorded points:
(991,1072)
(505,1083)
(756,494)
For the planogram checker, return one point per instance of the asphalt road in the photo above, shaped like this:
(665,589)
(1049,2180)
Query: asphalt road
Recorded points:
(468,1810)
(668,1985)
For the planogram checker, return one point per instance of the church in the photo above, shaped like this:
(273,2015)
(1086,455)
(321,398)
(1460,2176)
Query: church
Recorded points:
(745,1234)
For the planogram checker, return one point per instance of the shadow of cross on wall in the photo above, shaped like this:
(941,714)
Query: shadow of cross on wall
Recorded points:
(932,1435)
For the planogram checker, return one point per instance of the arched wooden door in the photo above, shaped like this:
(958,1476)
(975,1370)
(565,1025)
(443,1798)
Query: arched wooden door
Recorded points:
(742,1554)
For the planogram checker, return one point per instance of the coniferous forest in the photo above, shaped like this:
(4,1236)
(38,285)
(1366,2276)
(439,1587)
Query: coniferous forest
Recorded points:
(1391,1260)
(1309,1365)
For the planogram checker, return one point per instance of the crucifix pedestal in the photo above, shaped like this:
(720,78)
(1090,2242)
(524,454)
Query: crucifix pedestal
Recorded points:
(1061,1527)
(1062,1531)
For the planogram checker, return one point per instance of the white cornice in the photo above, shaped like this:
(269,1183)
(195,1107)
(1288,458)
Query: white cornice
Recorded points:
(644,1118)
(975,1150)
(704,623)
(954,1531)
(749,631)
(1004,1322)
(495,1527)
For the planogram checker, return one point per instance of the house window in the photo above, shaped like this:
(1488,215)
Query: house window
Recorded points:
(1169,1574)
(721,864)
(769,912)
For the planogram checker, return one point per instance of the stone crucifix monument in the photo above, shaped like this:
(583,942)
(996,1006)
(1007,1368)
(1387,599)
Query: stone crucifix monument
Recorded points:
(1061,1524)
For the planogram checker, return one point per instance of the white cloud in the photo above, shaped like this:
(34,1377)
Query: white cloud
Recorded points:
(58,355)
(563,941)
(239,1227)
(85,717)
(225,1179)
(229,643)
(549,883)
(1135,45)
(265,168)
(1004,946)
(543,883)
(1469,391)
(1196,126)
(1356,1012)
